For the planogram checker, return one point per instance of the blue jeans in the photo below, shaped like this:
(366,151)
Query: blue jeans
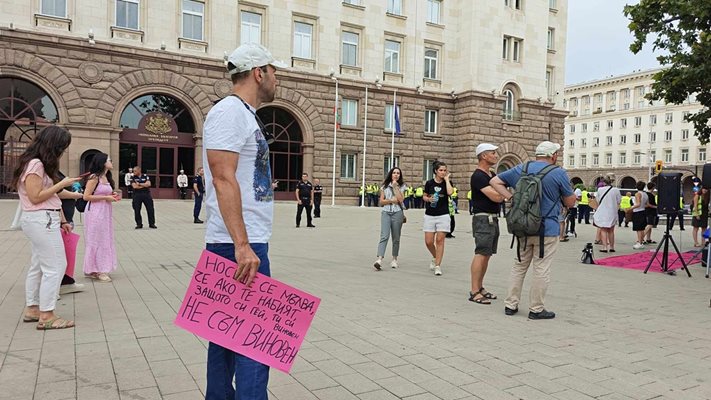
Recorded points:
(251,377)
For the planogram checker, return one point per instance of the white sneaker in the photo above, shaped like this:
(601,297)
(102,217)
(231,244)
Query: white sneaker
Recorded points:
(73,288)
(432,265)
(437,270)
(393,264)
(638,246)
(377,264)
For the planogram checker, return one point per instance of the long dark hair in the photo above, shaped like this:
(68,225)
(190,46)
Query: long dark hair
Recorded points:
(48,145)
(389,178)
(97,168)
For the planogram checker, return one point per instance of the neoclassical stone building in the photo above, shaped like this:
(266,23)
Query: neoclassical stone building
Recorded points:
(138,86)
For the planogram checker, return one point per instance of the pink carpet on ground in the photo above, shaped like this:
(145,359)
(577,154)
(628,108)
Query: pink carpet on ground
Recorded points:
(640,260)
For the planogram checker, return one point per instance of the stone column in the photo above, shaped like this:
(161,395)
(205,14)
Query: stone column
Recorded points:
(308,161)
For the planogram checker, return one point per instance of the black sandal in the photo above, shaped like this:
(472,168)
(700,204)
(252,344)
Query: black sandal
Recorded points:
(488,294)
(480,300)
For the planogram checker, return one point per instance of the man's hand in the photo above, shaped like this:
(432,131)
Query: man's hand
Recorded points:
(299,202)
(247,264)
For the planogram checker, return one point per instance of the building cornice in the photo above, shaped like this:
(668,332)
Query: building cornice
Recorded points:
(599,83)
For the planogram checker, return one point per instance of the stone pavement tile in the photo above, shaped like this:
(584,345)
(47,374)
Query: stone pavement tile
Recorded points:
(349,356)
(571,394)
(130,380)
(621,386)
(337,392)
(381,394)
(22,357)
(528,393)
(424,361)
(330,345)
(356,383)
(501,367)
(635,379)
(314,354)
(581,373)
(86,337)
(423,396)
(278,378)
(333,367)
(167,368)
(150,393)
(199,372)
(543,370)
(400,386)
(541,383)
(93,371)
(292,392)
(590,389)
(190,395)
(462,364)
(301,365)
(373,370)
(176,383)
(386,359)
(412,373)
(104,391)
(488,392)
(443,389)
(454,376)
(125,348)
(499,381)
(56,373)
(157,348)
(56,390)
(131,364)
(313,380)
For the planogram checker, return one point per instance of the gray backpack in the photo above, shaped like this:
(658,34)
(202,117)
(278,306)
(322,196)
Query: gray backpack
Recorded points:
(525,217)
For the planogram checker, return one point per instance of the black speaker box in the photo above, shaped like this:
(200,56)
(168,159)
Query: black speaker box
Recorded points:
(669,190)
(706,178)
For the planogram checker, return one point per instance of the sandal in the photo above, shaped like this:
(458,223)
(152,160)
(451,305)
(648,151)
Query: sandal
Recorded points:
(488,294)
(598,242)
(55,323)
(564,240)
(479,300)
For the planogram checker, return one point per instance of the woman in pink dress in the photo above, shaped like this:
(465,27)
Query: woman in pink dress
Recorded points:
(100,254)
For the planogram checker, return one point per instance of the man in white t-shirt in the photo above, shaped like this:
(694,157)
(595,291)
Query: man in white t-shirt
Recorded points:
(239,202)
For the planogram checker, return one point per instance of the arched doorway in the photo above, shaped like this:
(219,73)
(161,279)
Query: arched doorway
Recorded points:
(576,181)
(628,182)
(25,109)
(286,153)
(506,162)
(687,189)
(157,136)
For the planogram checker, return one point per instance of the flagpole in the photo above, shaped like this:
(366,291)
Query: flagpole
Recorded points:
(335,125)
(365,139)
(392,139)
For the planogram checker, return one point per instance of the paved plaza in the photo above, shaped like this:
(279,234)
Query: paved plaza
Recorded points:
(395,334)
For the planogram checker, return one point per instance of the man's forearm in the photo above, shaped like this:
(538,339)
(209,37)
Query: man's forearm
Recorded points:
(229,200)
(501,189)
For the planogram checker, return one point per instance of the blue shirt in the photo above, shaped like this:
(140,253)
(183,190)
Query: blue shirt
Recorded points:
(556,185)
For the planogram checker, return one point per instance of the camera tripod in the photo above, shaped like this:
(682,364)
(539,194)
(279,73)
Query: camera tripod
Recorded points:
(664,263)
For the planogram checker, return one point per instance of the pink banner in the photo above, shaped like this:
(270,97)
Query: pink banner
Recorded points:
(71,240)
(266,322)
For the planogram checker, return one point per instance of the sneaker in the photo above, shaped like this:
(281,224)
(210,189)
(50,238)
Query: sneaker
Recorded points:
(73,288)
(139,227)
(432,265)
(510,311)
(377,264)
(638,246)
(393,264)
(152,226)
(541,315)
(437,270)
(197,221)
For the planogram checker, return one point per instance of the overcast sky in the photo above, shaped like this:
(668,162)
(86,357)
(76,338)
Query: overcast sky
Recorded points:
(598,42)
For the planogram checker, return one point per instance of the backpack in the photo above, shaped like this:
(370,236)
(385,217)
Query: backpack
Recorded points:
(525,217)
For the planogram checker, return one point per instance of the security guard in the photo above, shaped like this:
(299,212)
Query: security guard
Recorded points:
(304,198)
(419,192)
(625,204)
(360,196)
(471,203)
(584,207)
(318,191)
(369,194)
(142,196)
(376,193)
(455,198)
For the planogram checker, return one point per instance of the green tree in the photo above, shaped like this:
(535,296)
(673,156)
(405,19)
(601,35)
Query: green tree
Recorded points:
(682,32)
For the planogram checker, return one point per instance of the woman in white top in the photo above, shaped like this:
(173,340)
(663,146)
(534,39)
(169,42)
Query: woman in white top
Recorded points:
(639,215)
(391,216)
(605,217)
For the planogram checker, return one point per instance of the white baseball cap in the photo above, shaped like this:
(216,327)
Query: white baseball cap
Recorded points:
(485,147)
(251,55)
(547,149)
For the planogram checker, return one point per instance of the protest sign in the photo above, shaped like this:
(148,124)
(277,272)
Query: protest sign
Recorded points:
(266,322)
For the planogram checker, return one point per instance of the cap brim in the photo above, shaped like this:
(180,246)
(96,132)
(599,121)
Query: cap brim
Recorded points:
(279,64)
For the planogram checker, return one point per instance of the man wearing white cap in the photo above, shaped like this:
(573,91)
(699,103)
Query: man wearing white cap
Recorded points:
(485,221)
(555,190)
(239,202)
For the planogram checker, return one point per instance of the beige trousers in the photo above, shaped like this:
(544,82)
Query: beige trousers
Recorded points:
(529,251)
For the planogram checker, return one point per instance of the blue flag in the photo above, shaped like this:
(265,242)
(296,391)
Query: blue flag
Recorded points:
(397,121)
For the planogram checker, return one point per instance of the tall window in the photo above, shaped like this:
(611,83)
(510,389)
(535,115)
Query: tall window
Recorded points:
(583,143)
(431,56)
(684,134)
(623,139)
(303,33)
(571,143)
(55,8)
(427,169)
(431,121)
(596,126)
(623,158)
(653,119)
(389,116)
(386,164)
(637,158)
(652,137)
(702,155)
(572,128)
(552,4)
(610,124)
(596,142)
(395,7)
(549,81)
(609,140)
(251,31)
(667,156)
(193,14)
(653,155)
(669,118)
(127,14)
(596,159)
(571,161)
(349,112)
(551,39)
(348,166)
(623,123)
(668,136)
(684,155)
(509,105)
(434,8)
(583,160)
(584,127)
(392,56)
(637,138)
(349,48)
(517,44)
(637,121)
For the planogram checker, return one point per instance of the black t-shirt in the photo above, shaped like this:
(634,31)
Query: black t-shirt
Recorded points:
(143,178)
(480,202)
(442,205)
(318,190)
(652,201)
(305,189)
(198,181)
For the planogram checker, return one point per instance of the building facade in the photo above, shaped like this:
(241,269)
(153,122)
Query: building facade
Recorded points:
(135,79)
(611,127)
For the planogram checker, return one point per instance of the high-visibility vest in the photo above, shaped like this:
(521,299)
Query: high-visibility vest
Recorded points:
(681,203)
(626,202)
(696,212)
(584,200)
(469,195)
(454,192)
(419,192)
(360,191)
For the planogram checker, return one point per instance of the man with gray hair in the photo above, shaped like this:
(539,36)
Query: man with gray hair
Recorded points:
(239,201)
(555,190)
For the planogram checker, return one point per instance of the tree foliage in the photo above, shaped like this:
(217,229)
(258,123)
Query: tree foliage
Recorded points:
(682,32)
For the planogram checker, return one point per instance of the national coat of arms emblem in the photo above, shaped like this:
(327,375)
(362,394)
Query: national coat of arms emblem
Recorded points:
(158,124)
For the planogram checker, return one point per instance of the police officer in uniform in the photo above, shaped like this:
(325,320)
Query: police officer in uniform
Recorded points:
(142,196)
(304,198)
(318,191)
